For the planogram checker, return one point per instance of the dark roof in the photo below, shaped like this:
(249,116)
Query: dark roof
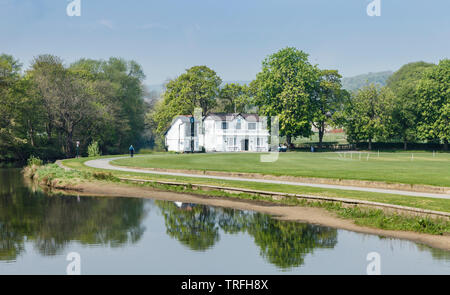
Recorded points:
(232,116)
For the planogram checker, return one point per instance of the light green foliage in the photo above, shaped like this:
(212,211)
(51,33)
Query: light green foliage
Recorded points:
(286,87)
(34,161)
(329,100)
(47,109)
(198,87)
(367,114)
(94,149)
(433,92)
(405,114)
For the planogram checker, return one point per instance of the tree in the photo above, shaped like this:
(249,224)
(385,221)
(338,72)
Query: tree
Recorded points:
(198,87)
(286,87)
(433,92)
(405,114)
(68,98)
(120,94)
(328,100)
(234,98)
(366,115)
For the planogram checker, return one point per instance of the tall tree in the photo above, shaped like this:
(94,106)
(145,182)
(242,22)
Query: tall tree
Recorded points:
(366,116)
(329,99)
(9,77)
(68,98)
(433,92)
(198,87)
(234,98)
(403,83)
(286,87)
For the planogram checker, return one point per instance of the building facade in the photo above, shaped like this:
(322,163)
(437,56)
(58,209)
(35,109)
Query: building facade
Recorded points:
(218,133)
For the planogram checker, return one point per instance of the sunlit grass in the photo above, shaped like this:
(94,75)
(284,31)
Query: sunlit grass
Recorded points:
(409,168)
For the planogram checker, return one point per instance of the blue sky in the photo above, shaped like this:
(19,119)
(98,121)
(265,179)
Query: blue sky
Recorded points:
(230,36)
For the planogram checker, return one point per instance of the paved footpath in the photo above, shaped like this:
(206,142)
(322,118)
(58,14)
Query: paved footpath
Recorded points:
(105,164)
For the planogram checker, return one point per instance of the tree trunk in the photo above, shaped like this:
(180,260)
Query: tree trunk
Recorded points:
(288,141)
(405,144)
(370,144)
(446,145)
(69,139)
(321,133)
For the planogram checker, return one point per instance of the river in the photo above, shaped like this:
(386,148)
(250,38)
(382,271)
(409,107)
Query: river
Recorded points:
(145,236)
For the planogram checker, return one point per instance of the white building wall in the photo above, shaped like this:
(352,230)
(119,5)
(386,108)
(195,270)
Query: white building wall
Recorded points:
(178,137)
(216,139)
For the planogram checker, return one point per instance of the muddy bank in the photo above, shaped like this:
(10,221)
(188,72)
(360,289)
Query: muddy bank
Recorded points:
(317,216)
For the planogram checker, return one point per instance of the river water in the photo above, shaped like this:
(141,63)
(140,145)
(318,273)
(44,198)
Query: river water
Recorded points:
(144,236)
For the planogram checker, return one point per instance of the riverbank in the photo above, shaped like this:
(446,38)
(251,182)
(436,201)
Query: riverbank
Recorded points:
(424,229)
(308,213)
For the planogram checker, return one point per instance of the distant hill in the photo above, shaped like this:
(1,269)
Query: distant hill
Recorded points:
(349,83)
(356,82)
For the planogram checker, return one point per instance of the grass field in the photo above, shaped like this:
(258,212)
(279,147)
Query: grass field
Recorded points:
(400,167)
(339,138)
(418,202)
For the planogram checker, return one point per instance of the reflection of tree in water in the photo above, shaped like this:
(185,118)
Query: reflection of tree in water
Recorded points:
(286,243)
(282,243)
(437,254)
(53,222)
(194,226)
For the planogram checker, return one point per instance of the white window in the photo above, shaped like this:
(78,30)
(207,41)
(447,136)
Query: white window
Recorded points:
(258,141)
(224,125)
(251,126)
(230,141)
(238,124)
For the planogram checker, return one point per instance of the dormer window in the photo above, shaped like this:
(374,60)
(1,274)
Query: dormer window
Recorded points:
(251,126)
(238,124)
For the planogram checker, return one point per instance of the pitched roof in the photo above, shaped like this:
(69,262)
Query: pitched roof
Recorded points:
(232,116)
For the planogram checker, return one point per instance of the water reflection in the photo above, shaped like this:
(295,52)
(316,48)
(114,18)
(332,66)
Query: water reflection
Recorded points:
(282,243)
(51,223)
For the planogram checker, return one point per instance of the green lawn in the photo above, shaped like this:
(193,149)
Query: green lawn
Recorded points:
(418,202)
(339,138)
(400,167)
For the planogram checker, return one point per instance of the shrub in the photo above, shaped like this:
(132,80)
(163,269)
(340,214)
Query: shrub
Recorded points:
(34,161)
(103,176)
(94,149)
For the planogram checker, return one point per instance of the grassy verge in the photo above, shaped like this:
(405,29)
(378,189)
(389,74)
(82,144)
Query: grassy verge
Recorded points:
(52,174)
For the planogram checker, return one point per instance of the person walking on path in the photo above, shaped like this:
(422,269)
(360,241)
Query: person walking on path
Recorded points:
(131,150)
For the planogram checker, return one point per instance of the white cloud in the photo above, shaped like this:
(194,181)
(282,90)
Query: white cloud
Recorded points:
(106,23)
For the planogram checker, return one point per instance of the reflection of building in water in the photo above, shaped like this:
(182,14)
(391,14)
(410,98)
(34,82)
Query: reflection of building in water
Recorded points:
(184,206)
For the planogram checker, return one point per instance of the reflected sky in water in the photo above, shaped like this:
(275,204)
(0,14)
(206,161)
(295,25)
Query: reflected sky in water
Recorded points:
(137,236)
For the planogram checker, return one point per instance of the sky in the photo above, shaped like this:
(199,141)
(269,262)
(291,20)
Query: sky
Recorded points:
(230,36)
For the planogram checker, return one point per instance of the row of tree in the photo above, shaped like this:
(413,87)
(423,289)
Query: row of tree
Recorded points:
(414,106)
(48,108)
